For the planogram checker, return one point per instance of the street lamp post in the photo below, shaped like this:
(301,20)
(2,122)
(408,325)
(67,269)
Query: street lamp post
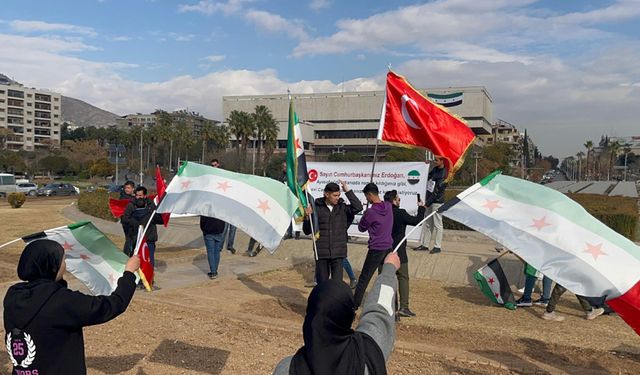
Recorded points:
(141,128)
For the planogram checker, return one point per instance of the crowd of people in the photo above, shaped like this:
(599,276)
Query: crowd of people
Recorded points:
(41,311)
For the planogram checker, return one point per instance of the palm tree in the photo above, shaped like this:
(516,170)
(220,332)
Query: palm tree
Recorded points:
(579,155)
(612,149)
(589,146)
(243,127)
(270,141)
(165,130)
(265,123)
(218,134)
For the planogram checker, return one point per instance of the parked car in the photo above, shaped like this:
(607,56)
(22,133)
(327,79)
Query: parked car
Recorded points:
(57,189)
(7,184)
(28,188)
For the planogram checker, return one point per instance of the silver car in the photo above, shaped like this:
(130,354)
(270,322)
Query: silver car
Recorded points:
(56,189)
(28,188)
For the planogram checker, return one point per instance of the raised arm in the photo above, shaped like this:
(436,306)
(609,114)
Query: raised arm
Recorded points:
(377,314)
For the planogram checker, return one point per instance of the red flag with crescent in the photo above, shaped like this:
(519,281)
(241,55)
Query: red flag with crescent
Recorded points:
(409,118)
(146,267)
(161,187)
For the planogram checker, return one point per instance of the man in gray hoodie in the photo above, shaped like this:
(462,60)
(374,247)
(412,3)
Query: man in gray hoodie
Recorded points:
(378,221)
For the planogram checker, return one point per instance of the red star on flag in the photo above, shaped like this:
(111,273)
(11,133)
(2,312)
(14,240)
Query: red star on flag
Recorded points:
(595,250)
(540,223)
(297,143)
(223,186)
(491,280)
(84,257)
(67,246)
(497,295)
(185,184)
(492,205)
(264,205)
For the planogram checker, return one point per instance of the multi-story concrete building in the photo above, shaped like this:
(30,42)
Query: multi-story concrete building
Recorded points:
(349,121)
(193,120)
(32,116)
(138,119)
(504,132)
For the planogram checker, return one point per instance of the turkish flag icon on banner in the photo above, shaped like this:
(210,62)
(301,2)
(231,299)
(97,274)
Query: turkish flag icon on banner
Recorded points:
(409,118)
(146,266)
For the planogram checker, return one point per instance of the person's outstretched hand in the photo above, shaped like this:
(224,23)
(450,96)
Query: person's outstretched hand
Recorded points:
(394,259)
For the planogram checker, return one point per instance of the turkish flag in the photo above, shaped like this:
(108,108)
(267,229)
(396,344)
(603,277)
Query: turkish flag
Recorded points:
(118,206)
(161,187)
(409,118)
(146,267)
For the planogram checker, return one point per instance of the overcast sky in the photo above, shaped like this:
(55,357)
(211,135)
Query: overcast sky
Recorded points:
(567,71)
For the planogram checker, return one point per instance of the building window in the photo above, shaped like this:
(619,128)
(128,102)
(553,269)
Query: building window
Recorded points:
(15,94)
(28,138)
(55,99)
(55,132)
(29,104)
(29,95)
(29,130)
(28,121)
(56,107)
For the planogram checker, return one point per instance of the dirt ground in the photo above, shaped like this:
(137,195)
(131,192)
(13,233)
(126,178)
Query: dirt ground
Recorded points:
(246,325)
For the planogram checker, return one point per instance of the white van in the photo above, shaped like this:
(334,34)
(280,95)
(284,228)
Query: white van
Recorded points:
(7,184)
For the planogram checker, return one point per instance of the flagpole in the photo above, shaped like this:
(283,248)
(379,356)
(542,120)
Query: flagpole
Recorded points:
(313,237)
(412,230)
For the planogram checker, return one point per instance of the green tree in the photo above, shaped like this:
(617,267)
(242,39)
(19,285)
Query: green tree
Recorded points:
(102,168)
(243,127)
(266,126)
(55,164)
(404,154)
(349,156)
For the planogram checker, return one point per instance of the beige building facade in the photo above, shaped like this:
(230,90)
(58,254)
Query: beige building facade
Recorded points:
(349,121)
(31,116)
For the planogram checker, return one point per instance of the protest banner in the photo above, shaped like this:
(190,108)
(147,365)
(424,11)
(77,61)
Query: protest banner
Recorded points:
(408,178)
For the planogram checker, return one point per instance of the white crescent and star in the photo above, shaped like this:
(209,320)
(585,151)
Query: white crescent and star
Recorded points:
(405,114)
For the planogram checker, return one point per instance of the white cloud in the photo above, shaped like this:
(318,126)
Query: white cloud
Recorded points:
(275,23)
(210,7)
(178,37)
(319,4)
(215,58)
(40,26)
(120,38)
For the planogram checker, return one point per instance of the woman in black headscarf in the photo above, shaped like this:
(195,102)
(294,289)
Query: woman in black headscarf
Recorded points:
(43,319)
(330,345)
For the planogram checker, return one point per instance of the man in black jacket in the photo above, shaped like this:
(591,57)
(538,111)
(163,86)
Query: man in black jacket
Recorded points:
(434,199)
(137,214)
(127,193)
(43,319)
(333,216)
(401,219)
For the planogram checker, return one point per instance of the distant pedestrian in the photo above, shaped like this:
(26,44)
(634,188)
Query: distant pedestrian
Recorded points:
(401,219)
(558,290)
(436,186)
(333,217)
(378,221)
(127,193)
(213,233)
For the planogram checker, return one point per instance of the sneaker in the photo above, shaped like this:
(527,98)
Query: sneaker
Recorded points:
(541,302)
(594,313)
(421,248)
(231,250)
(405,312)
(552,316)
(353,283)
(297,237)
(397,317)
(524,303)
(212,275)
(435,250)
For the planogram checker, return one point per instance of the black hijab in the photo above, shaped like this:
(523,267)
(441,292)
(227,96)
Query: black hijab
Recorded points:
(41,259)
(330,345)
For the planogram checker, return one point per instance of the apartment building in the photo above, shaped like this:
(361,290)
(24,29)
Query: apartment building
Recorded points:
(32,116)
(194,121)
(348,121)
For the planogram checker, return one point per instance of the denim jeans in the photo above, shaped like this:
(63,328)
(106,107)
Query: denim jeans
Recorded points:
(231,230)
(347,267)
(213,243)
(529,283)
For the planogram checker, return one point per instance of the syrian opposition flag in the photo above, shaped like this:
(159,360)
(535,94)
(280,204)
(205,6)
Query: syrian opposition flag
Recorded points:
(297,174)
(494,284)
(557,236)
(90,256)
(161,187)
(259,206)
(447,100)
(411,119)
(146,267)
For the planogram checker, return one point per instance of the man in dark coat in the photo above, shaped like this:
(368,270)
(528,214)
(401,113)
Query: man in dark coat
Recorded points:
(436,186)
(127,193)
(138,213)
(333,216)
(401,219)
